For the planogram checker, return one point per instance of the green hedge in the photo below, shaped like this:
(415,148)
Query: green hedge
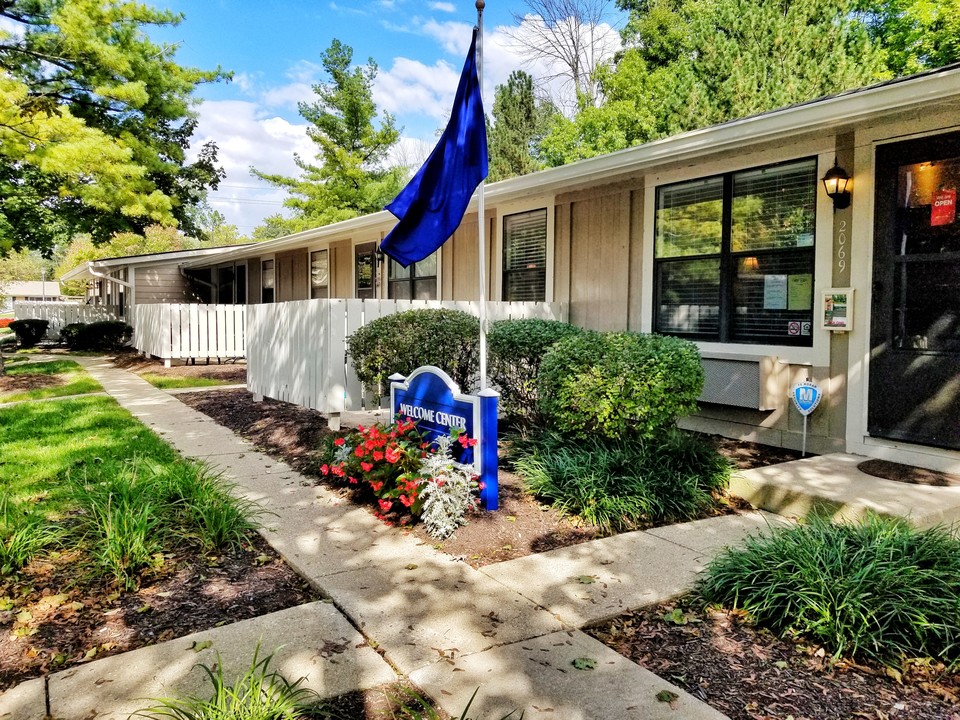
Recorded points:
(402,342)
(29,332)
(516,349)
(103,335)
(619,384)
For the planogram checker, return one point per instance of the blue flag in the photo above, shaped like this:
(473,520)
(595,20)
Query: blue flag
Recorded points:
(432,204)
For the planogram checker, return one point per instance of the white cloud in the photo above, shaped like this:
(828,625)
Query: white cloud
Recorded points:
(287,96)
(443,7)
(410,85)
(248,137)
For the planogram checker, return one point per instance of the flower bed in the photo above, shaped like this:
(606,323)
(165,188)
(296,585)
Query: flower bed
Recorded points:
(406,475)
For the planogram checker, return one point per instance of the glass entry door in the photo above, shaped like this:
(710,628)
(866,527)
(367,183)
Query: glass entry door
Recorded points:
(365,270)
(915,326)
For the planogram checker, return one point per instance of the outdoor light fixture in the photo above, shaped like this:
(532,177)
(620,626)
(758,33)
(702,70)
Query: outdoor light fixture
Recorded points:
(837,184)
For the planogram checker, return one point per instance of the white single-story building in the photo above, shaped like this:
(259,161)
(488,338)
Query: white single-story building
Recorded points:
(29,291)
(725,236)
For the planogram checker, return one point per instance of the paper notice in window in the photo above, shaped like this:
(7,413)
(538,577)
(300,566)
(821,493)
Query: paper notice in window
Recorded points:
(944,210)
(799,292)
(774,292)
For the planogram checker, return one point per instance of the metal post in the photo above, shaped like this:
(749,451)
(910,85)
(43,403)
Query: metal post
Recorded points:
(481,219)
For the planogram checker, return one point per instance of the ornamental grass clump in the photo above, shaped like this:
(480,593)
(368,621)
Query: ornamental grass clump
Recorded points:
(406,476)
(879,589)
(624,484)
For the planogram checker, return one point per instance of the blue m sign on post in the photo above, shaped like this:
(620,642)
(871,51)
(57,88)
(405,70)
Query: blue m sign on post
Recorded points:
(433,400)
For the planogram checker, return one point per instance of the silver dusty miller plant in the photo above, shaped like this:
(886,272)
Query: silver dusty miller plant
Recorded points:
(447,493)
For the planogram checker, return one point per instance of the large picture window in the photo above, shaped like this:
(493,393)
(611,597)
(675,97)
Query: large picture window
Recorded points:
(418,281)
(525,256)
(734,256)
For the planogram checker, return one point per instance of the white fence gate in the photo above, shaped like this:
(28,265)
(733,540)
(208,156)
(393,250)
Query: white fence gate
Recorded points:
(190,331)
(64,313)
(297,350)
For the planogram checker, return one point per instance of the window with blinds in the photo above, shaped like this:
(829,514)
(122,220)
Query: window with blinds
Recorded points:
(415,282)
(735,256)
(525,256)
(319,275)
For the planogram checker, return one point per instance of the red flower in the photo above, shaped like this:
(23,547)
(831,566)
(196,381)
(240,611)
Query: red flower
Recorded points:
(353,480)
(376,485)
(385,505)
(337,470)
(392,455)
(407,501)
(359,451)
(367,467)
(325,469)
(481,485)
(377,456)
(361,429)
(339,441)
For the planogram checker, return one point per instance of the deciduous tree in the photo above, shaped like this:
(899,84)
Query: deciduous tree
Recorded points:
(95,123)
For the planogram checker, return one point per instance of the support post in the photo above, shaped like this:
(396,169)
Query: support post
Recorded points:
(489,462)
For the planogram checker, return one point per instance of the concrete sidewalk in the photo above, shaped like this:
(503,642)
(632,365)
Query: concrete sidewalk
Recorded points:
(511,629)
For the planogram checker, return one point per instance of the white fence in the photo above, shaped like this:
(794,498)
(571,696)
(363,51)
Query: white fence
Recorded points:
(297,350)
(64,313)
(190,331)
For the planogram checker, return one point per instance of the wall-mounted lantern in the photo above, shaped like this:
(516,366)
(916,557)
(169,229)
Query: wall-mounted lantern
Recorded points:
(837,184)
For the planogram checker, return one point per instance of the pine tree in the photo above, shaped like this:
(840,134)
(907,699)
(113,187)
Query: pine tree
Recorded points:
(520,122)
(351,176)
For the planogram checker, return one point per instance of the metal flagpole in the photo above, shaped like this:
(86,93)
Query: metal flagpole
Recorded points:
(481,218)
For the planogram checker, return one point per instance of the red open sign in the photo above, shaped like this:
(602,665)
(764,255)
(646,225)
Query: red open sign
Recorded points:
(944,210)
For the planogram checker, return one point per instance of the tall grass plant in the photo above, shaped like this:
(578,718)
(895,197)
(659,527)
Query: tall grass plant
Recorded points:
(878,589)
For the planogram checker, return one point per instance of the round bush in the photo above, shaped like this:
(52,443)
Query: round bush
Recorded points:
(619,384)
(29,332)
(402,342)
(102,335)
(516,350)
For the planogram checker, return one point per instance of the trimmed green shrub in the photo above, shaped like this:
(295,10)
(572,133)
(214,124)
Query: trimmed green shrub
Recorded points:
(879,589)
(619,384)
(625,484)
(516,350)
(402,342)
(29,332)
(101,335)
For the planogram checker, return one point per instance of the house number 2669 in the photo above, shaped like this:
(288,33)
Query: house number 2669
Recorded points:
(842,246)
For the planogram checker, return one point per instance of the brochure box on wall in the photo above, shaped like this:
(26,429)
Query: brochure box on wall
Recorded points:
(836,309)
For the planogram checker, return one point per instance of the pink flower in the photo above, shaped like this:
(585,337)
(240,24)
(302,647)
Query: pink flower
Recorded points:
(385,505)
(407,501)
(367,467)
(376,485)
(339,441)
(353,480)
(325,469)
(392,455)
(377,456)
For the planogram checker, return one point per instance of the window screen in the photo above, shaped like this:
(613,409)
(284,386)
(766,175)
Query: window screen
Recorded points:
(268,281)
(525,256)
(319,274)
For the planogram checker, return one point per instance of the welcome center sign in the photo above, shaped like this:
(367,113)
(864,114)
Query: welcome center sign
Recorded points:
(434,401)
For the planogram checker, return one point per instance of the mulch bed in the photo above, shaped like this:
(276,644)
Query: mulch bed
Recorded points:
(748,674)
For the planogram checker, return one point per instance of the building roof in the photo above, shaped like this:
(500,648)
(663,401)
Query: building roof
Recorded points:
(30,288)
(822,114)
(83,271)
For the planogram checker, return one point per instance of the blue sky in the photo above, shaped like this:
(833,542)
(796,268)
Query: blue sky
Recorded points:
(273,48)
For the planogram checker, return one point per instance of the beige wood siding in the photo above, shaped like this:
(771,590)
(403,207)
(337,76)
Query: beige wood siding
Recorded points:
(592,260)
(460,276)
(341,269)
(292,275)
(162,284)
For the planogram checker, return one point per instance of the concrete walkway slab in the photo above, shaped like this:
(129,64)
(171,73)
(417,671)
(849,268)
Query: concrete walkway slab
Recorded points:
(594,581)
(421,612)
(709,536)
(315,642)
(538,677)
(831,484)
(26,701)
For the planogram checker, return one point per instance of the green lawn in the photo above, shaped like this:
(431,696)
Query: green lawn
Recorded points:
(75,381)
(84,475)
